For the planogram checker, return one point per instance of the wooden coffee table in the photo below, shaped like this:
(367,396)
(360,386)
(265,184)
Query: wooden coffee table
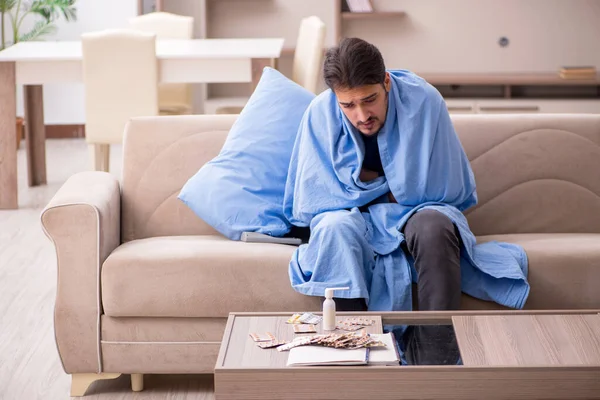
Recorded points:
(503,354)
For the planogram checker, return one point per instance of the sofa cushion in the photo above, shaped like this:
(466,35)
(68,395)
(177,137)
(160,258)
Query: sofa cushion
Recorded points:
(564,269)
(210,276)
(242,188)
(199,276)
(535,173)
(159,155)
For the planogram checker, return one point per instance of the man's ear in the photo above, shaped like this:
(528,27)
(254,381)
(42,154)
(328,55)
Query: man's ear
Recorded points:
(387,82)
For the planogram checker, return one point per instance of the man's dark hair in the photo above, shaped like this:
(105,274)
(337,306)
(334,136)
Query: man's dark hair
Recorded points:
(353,63)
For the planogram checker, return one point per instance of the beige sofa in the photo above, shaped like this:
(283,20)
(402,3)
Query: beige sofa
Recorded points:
(144,286)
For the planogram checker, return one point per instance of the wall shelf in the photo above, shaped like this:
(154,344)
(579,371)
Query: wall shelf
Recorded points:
(544,78)
(514,86)
(346,15)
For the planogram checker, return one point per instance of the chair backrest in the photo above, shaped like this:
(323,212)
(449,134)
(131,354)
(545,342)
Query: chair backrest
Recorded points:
(309,53)
(165,25)
(120,75)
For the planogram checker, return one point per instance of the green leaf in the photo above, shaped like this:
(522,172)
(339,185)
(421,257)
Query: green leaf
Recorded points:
(39,30)
(53,9)
(7,5)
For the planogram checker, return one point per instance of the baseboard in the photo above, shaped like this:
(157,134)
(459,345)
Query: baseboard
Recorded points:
(69,131)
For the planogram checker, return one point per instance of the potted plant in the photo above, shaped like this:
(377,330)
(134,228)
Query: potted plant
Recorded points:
(44,11)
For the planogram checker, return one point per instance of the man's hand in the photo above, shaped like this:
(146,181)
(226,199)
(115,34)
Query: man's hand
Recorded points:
(391,198)
(367,175)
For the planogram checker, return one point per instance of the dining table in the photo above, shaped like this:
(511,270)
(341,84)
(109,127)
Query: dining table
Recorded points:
(36,63)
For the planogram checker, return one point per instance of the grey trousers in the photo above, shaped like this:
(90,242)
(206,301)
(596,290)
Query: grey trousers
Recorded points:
(434,243)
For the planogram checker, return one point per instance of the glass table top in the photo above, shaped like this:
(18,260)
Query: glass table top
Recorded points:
(426,344)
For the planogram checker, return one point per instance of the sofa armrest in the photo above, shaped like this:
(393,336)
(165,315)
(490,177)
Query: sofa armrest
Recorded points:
(83,222)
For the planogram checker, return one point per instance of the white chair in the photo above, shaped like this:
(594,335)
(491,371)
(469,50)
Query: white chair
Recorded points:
(120,76)
(308,58)
(173,98)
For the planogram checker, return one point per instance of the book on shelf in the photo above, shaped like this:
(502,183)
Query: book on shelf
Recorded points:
(359,6)
(578,72)
(578,69)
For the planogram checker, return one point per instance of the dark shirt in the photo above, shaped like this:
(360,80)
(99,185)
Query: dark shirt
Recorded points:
(372,162)
(372,159)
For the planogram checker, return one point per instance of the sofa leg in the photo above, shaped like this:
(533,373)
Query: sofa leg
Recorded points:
(81,382)
(137,382)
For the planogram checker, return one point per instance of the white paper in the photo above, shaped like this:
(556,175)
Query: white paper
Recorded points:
(384,355)
(320,355)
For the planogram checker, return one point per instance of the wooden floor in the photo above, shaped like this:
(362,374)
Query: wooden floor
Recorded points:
(29,365)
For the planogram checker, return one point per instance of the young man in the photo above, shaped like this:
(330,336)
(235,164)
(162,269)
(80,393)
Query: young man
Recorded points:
(356,73)
(381,179)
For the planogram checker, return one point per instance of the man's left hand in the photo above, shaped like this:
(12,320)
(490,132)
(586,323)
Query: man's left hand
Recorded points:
(391,198)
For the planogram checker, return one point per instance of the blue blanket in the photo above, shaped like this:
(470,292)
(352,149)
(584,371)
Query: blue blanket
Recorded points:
(425,168)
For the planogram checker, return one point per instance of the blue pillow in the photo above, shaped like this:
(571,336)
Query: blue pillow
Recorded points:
(242,188)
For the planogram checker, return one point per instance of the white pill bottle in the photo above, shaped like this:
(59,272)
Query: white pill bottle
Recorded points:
(329,309)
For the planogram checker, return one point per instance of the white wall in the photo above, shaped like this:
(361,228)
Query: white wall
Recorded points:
(63,104)
(148,6)
(262,18)
(461,36)
(435,36)
(196,9)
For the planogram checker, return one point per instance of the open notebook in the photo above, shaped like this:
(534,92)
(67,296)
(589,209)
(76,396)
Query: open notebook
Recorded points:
(320,355)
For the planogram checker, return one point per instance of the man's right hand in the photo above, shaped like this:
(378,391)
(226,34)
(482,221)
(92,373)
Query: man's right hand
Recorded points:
(367,175)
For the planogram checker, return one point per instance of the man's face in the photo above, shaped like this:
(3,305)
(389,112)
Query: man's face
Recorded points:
(365,106)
